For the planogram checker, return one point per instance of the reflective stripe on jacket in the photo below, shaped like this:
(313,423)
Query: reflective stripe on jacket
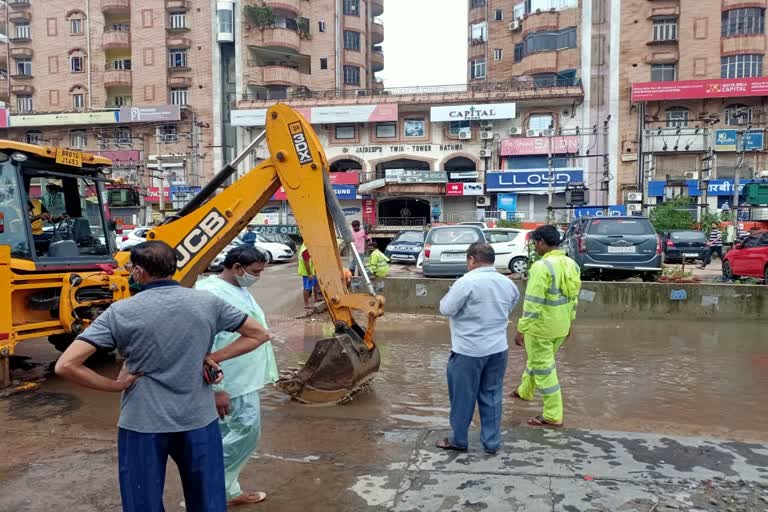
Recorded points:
(378,264)
(303,271)
(551,296)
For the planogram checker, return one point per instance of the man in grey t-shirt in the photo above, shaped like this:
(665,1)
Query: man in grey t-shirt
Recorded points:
(165,333)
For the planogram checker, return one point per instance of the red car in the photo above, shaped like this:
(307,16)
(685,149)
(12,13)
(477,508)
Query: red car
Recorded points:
(748,258)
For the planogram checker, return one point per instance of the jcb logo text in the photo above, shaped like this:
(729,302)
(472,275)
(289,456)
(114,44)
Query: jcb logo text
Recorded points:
(197,239)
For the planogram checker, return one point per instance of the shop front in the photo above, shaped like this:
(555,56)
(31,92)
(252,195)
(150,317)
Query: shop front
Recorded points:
(531,189)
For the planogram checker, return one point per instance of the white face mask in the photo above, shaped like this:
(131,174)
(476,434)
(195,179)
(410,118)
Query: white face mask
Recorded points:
(246,280)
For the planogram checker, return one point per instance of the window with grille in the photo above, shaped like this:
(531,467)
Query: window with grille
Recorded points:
(478,33)
(415,127)
(24,67)
(168,134)
(476,3)
(352,7)
(677,117)
(121,64)
(179,20)
(121,101)
(540,123)
(23,31)
(76,64)
(477,69)
(665,29)
(33,137)
(351,75)
(456,127)
(78,101)
(519,52)
(549,41)
(738,22)
(78,139)
(123,135)
(351,40)
(76,26)
(741,66)
(179,96)
(737,114)
(177,58)
(120,27)
(24,103)
(663,72)
(497,54)
(226,19)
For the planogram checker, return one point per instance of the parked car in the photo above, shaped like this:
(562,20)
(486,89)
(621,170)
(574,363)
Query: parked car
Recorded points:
(479,224)
(406,246)
(685,243)
(748,259)
(445,249)
(133,237)
(614,247)
(511,248)
(275,252)
(279,239)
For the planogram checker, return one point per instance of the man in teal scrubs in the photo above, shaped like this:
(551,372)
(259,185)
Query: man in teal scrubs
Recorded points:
(237,397)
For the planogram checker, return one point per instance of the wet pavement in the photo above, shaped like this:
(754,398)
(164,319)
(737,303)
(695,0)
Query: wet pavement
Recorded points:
(661,416)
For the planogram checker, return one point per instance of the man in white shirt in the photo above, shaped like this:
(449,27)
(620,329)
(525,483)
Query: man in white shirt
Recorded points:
(478,306)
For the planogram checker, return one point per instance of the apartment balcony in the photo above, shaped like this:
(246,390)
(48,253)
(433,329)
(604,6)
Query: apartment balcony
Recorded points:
(19,4)
(550,20)
(734,4)
(20,16)
(742,44)
(116,40)
(117,78)
(177,5)
(285,5)
(178,42)
(377,59)
(377,7)
(377,32)
(548,62)
(23,39)
(115,6)
(280,38)
(180,81)
(22,89)
(24,77)
(663,56)
(179,69)
(663,44)
(22,52)
(664,11)
(274,75)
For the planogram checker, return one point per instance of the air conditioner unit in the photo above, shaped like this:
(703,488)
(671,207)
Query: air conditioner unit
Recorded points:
(691,175)
(484,153)
(762,175)
(465,134)
(547,133)
(483,201)
(486,135)
(635,197)
(486,124)
(514,130)
(515,25)
(634,208)
(533,133)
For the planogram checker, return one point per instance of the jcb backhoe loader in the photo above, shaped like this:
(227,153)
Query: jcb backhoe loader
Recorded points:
(55,280)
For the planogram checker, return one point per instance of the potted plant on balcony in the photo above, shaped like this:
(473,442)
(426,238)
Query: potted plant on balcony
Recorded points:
(260,16)
(303,28)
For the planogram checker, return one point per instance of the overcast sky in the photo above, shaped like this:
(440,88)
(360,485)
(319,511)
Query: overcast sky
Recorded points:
(425,42)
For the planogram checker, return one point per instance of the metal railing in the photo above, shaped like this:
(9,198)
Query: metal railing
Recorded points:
(395,223)
(524,84)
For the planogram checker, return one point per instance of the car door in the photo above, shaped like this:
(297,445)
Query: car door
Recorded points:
(761,255)
(745,261)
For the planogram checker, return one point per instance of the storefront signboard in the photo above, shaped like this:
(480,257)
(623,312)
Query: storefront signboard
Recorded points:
(617,210)
(507,202)
(149,114)
(725,140)
(715,188)
(342,192)
(323,115)
(532,180)
(699,89)
(403,176)
(539,145)
(60,119)
(753,141)
(477,112)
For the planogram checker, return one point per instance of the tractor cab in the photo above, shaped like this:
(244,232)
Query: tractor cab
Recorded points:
(51,207)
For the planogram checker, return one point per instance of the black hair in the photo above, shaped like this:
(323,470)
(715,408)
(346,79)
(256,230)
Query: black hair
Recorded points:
(482,252)
(547,234)
(157,258)
(373,245)
(355,222)
(244,255)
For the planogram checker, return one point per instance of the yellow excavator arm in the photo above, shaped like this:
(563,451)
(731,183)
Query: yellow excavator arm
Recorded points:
(200,231)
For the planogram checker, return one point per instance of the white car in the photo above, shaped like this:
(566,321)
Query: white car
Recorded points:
(275,251)
(511,247)
(133,237)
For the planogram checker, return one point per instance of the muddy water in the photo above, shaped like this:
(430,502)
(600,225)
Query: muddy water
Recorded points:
(687,378)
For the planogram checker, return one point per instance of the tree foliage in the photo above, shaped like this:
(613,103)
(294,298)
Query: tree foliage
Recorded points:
(675,214)
(260,16)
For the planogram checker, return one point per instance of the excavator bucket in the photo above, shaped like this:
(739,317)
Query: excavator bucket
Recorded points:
(337,369)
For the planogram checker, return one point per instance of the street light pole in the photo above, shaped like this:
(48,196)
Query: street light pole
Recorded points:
(551,185)
(161,202)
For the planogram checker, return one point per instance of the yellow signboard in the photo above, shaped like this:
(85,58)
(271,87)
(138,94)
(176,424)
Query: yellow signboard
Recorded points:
(69,157)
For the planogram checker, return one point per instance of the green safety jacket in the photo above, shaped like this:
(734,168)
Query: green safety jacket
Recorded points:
(378,264)
(303,270)
(551,296)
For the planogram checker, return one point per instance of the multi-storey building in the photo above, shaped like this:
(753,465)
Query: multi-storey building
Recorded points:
(151,83)
(692,113)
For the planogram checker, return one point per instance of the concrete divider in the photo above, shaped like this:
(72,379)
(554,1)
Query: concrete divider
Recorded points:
(614,300)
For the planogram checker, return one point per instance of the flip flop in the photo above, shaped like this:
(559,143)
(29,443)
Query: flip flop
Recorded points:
(247,498)
(539,421)
(446,444)
(517,396)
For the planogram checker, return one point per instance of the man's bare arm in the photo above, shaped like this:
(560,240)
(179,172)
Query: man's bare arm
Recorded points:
(252,336)
(71,366)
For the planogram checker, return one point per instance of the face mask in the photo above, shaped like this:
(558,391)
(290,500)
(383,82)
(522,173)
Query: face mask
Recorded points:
(133,283)
(246,280)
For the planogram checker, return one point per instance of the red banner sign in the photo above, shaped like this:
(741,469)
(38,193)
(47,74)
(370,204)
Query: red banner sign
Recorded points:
(698,89)
(153,194)
(539,145)
(369,211)
(345,178)
(454,189)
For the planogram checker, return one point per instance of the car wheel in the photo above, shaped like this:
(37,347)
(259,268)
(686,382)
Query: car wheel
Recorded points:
(728,272)
(268,256)
(518,266)
(650,277)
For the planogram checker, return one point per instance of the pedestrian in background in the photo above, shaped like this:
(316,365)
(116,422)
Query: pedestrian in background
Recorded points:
(360,240)
(237,397)
(436,212)
(715,245)
(551,297)
(250,237)
(165,333)
(478,306)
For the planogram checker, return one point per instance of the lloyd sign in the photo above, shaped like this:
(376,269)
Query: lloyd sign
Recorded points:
(534,180)
(479,112)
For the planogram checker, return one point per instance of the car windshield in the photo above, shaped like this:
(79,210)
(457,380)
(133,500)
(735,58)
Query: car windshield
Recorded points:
(688,236)
(495,237)
(610,227)
(411,236)
(455,235)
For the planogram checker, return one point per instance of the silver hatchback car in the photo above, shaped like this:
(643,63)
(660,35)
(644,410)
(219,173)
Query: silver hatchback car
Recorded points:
(445,250)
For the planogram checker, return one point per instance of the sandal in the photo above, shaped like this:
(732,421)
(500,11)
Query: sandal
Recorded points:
(247,498)
(446,444)
(517,396)
(539,421)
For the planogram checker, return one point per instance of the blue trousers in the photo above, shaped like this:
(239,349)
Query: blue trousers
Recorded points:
(481,380)
(142,459)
